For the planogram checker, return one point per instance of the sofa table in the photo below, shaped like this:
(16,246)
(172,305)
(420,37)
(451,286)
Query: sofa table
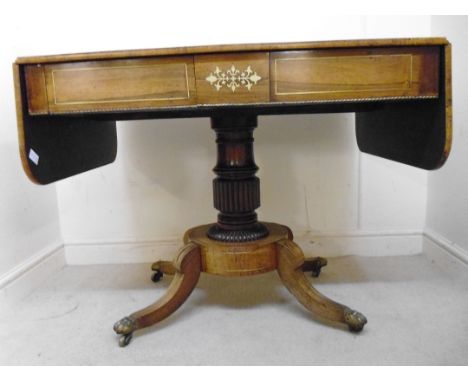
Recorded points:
(68,105)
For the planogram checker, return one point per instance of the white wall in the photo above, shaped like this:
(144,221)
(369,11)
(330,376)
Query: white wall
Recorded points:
(312,176)
(447,207)
(29,220)
(392,195)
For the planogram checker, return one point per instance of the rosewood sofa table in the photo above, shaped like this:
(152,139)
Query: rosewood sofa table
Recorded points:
(68,105)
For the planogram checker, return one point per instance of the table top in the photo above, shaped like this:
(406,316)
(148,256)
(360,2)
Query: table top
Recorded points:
(387,42)
(260,74)
(400,90)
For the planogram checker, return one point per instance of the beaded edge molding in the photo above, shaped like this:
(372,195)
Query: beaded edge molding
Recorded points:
(267,104)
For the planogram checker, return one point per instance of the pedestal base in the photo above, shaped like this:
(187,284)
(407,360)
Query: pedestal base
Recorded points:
(202,254)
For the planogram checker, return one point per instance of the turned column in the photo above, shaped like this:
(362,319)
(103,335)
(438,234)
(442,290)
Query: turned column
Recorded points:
(236,189)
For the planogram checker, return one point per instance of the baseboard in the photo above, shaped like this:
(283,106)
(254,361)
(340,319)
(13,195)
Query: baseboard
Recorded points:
(362,243)
(441,250)
(370,243)
(121,252)
(25,277)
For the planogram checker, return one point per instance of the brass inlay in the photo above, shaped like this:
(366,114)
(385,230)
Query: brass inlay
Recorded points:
(410,74)
(118,100)
(233,78)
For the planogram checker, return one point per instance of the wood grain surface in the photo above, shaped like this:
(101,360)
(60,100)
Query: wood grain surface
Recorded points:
(233,48)
(354,73)
(237,259)
(399,88)
(117,84)
(108,83)
(36,89)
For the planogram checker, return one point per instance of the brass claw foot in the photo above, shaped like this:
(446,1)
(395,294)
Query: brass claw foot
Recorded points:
(126,326)
(354,319)
(314,265)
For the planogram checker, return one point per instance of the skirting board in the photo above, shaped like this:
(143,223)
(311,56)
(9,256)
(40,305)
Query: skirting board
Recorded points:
(381,243)
(444,252)
(24,278)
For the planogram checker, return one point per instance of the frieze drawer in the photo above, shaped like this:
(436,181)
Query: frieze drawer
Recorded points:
(340,74)
(235,78)
(111,85)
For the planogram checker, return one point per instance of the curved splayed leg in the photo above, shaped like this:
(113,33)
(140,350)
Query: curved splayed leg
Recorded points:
(290,268)
(187,267)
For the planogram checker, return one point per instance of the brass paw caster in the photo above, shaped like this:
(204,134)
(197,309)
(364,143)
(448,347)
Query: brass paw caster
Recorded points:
(126,326)
(157,276)
(125,340)
(354,320)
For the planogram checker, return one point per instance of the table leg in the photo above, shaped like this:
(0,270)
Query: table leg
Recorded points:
(290,268)
(187,268)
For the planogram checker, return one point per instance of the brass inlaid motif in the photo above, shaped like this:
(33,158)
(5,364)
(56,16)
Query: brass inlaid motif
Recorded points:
(233,78)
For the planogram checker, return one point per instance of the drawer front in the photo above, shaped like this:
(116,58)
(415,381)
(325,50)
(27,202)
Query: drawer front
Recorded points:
(119,85)
(232,78)
(316,75)
(340,74)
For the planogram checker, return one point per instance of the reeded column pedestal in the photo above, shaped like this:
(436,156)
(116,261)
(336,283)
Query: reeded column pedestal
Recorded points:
(236,190)
(238,244)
